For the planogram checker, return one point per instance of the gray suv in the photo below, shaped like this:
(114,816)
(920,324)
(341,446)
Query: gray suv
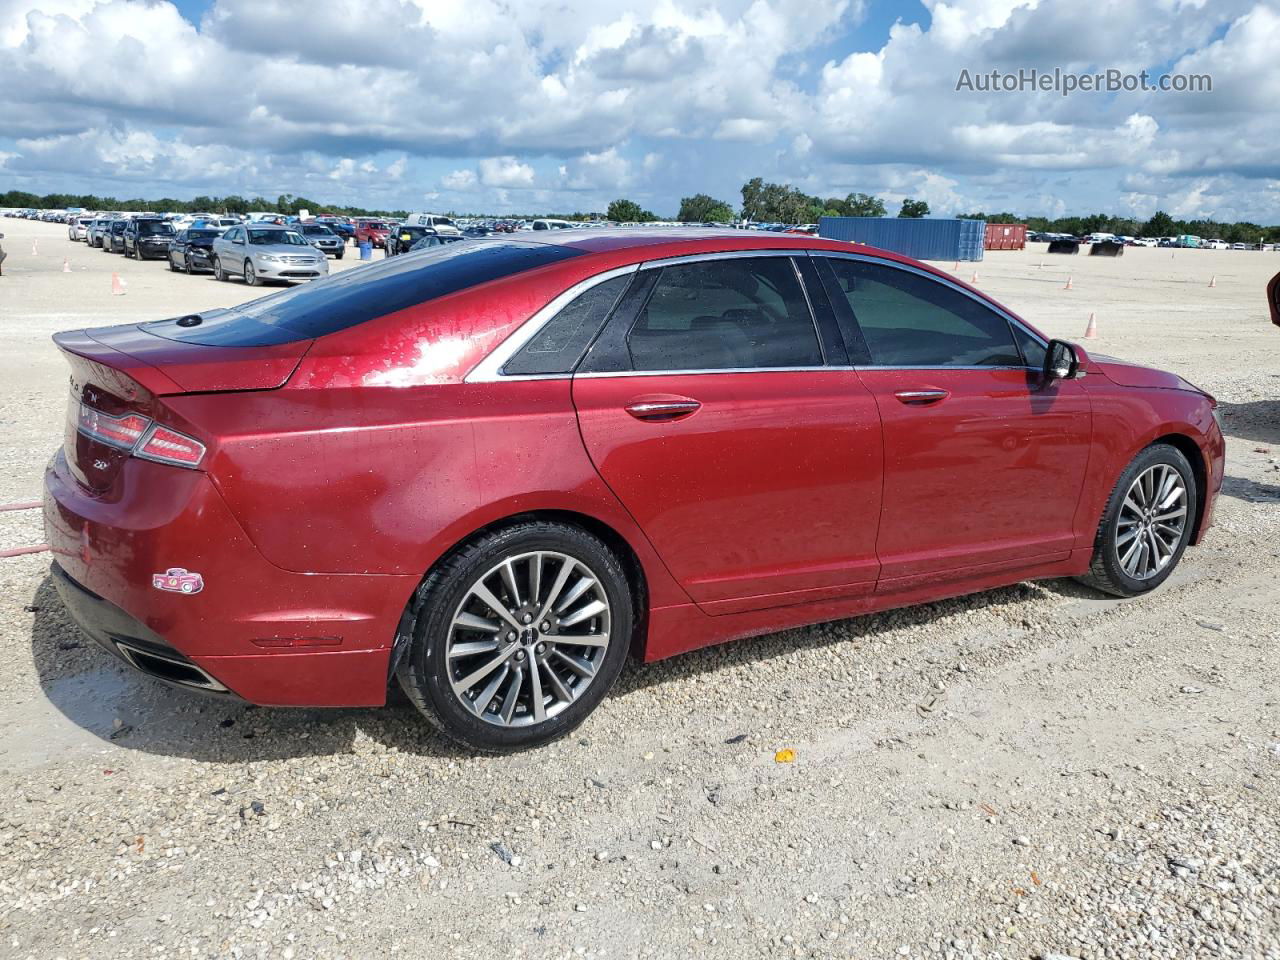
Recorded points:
(322,238)
(260,253)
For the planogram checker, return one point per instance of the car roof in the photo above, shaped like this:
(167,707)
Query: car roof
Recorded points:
(698,239)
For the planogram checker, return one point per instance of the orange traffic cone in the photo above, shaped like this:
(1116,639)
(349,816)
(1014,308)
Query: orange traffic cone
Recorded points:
(1091,331)
(1068,286)
(117,285)
(974,279)
(1213,281)
(66,265)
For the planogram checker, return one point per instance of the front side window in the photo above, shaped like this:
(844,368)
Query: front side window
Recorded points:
(737,313)
(909,320)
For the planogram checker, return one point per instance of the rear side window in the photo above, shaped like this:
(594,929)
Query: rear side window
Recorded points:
(909,320)
(355,296)
(560,344)
(738,313)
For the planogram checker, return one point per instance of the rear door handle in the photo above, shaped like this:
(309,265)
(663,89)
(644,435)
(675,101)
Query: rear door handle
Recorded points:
(659,410)
(921,397)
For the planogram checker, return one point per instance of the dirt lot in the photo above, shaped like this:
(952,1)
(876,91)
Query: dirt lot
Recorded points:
(1032,771)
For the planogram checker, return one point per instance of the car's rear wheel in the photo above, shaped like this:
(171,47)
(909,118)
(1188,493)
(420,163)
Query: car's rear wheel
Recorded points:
(172,266)
(521,634)
(218,272)
(1146,525)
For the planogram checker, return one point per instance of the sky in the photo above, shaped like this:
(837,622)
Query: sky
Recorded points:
(563,105)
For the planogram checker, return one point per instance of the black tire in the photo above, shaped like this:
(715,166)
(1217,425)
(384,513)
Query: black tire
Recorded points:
(423,671)
(1106,572)
(172,266)
(218,272)
(250,275)
(339,255)
(186,265)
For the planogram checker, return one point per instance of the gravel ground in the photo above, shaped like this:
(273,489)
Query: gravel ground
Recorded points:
(1031,772)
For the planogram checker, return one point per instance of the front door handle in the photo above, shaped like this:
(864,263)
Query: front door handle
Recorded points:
(921,397)
(660,410)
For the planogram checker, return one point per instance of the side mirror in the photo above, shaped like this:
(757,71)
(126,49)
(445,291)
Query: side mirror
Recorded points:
(1061,362)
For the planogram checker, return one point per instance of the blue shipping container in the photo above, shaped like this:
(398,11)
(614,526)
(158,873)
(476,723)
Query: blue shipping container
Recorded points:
(922,239)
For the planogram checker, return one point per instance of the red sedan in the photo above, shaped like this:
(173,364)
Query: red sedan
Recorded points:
(373,232)
(491,469)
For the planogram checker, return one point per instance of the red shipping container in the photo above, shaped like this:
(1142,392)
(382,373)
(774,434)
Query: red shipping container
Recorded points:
(1006,236)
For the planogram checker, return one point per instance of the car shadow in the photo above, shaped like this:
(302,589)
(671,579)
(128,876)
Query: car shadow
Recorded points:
(1257,422)
(115,703)
(1250,491)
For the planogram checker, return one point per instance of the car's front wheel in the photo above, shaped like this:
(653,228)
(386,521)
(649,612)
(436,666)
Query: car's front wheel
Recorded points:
(521,634)
(250,275)
(1146,525)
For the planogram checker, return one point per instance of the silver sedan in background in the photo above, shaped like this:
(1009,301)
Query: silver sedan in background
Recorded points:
(259,253)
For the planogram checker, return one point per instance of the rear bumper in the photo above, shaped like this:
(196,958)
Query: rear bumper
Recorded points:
(267,635)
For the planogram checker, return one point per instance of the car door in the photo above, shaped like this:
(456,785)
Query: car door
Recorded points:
(736,434)
(983,467)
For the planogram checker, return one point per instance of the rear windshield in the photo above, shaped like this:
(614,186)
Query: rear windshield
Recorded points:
(355,296)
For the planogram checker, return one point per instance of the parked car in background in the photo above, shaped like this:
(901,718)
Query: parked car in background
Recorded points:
(78,228)
(191,250)
(494,469)
(113,236)
(339,225)
(260,253)
(546,223)
(373,232)
(323,239)
(432,221)
(434,240)
(146,238)
(95,229)
(404,236)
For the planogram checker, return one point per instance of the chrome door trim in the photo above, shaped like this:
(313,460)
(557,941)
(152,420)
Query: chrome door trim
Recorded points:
(945,281)
(489,370)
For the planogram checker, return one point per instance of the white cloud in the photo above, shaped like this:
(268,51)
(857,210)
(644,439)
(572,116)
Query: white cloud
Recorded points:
(505,172)
(459,180)
(490,101)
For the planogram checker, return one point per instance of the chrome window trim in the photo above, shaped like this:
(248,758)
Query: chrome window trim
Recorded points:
(722,255)
(489,370)
(691,373)
(946,282)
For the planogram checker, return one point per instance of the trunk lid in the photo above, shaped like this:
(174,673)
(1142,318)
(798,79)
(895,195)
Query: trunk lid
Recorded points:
(124,372)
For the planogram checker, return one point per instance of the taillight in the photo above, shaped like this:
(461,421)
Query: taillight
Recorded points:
(123,432)
(170,446)
(140,436)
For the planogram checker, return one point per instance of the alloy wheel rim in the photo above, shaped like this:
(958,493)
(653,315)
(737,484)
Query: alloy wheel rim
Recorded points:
(528,638)
(1152,520)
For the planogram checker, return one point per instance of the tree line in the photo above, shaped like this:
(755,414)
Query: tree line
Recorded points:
(761,203)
